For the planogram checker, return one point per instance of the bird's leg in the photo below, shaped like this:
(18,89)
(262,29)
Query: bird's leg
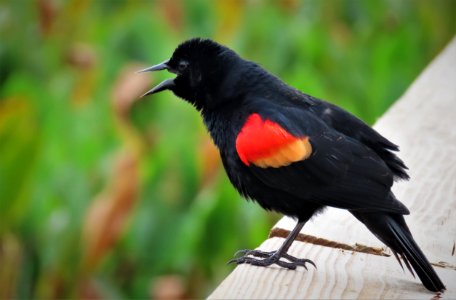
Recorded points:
(273,257)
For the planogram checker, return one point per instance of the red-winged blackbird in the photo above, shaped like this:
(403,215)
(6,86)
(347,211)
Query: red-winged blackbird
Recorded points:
(293,153)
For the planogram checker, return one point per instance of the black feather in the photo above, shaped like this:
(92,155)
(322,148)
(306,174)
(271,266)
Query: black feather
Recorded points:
(392,230)
(350,125)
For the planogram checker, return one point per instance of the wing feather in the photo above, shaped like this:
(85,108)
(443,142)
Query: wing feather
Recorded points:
(264,143)
(339,171)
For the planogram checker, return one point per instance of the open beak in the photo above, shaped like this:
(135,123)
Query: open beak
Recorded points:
(165,85)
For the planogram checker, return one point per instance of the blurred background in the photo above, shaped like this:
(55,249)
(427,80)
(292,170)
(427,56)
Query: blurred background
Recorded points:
(106,196)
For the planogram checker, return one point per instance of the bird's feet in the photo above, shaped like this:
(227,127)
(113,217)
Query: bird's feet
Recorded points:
(269,258)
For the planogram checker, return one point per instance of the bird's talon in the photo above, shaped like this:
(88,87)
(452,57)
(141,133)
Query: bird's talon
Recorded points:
(234,260)
(269,258)
(241,252)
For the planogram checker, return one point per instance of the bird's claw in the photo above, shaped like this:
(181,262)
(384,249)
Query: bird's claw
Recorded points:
(257,253)
(269,258)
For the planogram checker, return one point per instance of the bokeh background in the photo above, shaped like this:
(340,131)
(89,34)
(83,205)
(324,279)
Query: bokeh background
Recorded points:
(103,195)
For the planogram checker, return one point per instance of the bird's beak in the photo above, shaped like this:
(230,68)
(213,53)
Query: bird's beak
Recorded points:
(161,66)
(165,85)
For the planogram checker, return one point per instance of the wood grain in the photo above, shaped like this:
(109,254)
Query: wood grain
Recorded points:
(423,123)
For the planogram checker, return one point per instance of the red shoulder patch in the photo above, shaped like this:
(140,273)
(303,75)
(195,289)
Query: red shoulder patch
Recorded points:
(267,144)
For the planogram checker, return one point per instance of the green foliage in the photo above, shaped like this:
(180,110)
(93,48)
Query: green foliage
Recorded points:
(103,195)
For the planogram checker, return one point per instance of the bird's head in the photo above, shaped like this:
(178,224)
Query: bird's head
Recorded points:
(201,65)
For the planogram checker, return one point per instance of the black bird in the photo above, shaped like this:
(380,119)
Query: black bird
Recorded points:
(293,153)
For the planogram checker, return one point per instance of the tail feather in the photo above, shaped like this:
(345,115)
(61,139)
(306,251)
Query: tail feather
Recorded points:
(393,231)
(413,255)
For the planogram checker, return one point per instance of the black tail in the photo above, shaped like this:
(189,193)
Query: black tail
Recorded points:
(392,230)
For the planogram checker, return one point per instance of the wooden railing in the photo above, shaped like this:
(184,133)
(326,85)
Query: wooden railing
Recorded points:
(350,260)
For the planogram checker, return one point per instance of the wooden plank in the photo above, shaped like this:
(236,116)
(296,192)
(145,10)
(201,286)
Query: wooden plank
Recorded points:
(423,123)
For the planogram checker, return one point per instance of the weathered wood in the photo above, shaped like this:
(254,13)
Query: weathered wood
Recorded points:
(423,123)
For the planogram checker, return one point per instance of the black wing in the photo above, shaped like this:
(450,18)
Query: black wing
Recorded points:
(341,172)
(355,128)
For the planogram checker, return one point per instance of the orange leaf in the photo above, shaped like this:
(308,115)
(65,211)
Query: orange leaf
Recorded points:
(106,217)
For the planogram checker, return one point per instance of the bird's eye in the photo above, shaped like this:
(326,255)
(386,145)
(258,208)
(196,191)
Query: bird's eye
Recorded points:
(182,66)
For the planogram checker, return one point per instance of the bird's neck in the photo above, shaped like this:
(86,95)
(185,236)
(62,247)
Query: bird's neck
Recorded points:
(223,123)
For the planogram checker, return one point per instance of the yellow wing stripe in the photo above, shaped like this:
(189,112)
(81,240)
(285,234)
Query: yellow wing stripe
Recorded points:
(298,150)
